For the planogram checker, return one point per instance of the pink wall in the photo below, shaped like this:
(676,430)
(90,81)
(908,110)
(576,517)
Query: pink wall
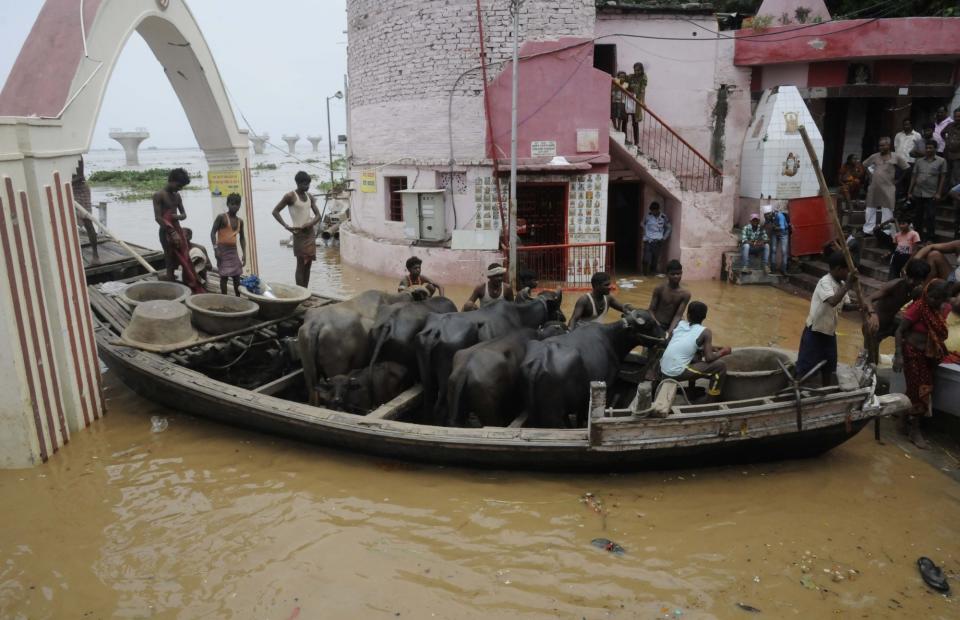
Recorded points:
(39,81)
(559,93)
(861,38)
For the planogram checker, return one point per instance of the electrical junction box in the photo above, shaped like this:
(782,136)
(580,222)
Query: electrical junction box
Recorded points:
(423,214)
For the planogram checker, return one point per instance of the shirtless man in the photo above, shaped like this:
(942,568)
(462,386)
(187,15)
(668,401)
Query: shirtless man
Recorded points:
(883,306)
(415,278)
(168,212)
(494,290)
(669,301)
(593,307)
(940,268)
(301,206)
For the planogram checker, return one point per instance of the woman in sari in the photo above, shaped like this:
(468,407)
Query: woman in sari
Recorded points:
(851,179)
(920,347)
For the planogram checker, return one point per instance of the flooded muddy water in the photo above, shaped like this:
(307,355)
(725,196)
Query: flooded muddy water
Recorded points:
(204,520)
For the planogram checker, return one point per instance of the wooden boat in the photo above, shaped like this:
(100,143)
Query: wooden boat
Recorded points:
(691,435)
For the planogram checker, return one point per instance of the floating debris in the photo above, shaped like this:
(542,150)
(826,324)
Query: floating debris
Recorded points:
(593,502)
(749,608)
(608,545)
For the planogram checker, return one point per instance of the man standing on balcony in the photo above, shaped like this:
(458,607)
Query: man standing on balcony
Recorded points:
(656,229)
(881,195)
(637,84)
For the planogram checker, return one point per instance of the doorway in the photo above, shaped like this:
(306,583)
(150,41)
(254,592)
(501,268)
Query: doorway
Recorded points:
(623,223)
(605,58)
(542,213)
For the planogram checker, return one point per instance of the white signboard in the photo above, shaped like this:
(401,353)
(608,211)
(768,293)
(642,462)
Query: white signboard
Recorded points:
(543,148)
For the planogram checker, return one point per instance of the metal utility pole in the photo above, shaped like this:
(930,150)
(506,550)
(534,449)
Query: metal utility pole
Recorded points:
(515,10)
(337,95)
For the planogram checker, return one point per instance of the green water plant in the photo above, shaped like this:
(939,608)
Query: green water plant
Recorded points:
(133,185)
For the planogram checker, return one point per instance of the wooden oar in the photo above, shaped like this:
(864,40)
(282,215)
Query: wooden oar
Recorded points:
(832,210)
(120,242)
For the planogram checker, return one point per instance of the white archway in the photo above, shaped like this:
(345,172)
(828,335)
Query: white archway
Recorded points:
(48,112)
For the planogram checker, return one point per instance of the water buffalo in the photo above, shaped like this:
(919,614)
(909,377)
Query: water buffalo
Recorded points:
(445,334)
(364,389)
(394,332)
(557,371)
(486,379)
(335,339)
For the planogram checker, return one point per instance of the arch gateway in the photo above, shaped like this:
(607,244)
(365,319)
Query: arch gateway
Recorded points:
(48,112)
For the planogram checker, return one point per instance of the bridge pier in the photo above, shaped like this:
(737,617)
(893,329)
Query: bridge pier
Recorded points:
(259,142)
(291,143)
(130,141)
(315,142)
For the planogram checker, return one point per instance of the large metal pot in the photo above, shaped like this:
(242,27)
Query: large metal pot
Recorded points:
(139,292)
(219,314)
(753,372)
(278,301)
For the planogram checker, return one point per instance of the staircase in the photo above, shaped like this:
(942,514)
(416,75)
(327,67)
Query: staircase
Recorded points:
(662,149)
(872,266)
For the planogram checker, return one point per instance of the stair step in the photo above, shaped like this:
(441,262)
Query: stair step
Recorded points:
(818,269)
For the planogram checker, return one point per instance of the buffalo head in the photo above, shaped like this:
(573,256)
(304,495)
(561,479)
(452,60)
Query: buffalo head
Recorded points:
(336,391)
(644,327)
(552,300)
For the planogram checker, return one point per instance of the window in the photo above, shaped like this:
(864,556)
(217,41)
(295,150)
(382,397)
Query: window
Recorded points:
(394,199)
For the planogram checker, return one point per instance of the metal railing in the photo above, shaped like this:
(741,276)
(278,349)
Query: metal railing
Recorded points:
(659,142)
(567,265)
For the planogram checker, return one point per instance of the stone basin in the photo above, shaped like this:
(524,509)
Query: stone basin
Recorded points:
(753,372)
(139,292)
(159,325)
(217,314)
(281,300)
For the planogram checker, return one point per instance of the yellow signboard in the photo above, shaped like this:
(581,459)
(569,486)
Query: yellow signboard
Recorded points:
(225,182)
(368,181)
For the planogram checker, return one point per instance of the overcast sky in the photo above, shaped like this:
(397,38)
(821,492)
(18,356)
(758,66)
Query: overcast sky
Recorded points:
(279,59)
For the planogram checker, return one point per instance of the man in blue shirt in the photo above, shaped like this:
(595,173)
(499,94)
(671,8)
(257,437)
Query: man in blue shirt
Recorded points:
(777,225)
(656,229)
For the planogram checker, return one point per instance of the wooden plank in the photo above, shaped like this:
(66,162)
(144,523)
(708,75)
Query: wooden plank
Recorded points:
(403,403)
(278,385)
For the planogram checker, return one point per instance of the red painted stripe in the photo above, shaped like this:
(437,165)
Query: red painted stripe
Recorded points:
(69,300)
(28,294)
(51,363)
(86,331)
(70,240)
(16,300)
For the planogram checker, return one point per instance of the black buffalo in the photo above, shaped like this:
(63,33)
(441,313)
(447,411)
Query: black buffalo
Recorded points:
(395,329)
(557,372)
(486,380)
(445,334)
(360,391)
(335,339)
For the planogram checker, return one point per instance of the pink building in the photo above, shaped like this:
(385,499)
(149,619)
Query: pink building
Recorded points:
(429,109)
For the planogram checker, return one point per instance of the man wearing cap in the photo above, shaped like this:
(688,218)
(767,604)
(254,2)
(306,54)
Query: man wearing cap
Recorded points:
(754,240)
(776,224)
(493,291)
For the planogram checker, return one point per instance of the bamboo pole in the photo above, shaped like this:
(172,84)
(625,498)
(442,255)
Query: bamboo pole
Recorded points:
(122,244)
(832,210)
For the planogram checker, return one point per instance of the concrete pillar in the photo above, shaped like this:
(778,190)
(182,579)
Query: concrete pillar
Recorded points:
(315,142)
(291,143)
(259,142)
(130,141)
